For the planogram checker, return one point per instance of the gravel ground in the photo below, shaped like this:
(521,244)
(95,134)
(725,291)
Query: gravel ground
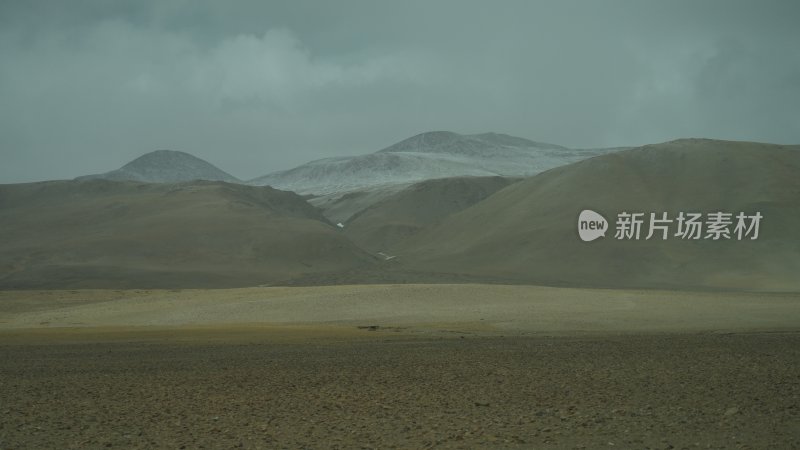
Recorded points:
(633,391)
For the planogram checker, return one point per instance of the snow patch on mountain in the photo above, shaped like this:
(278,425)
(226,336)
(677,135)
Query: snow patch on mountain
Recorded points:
(437,154)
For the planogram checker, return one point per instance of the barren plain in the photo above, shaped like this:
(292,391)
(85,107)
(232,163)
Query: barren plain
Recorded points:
(399,366)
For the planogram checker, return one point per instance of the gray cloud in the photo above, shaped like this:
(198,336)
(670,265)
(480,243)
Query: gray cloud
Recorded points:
(260,86)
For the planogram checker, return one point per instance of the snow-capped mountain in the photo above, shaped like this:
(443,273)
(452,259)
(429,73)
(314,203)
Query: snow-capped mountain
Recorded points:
(473,145)
(437,154)
(166,166)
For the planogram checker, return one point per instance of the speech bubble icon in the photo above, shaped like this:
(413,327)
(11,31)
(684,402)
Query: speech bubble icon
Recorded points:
(591,225)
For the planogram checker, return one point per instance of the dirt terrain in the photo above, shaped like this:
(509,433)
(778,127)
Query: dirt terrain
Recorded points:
(399,367)
(199,389)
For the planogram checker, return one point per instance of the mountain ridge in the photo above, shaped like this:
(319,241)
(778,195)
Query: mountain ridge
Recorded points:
(101,233)
(429,155)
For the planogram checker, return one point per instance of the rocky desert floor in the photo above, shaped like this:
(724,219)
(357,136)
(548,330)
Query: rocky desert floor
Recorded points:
(399,367)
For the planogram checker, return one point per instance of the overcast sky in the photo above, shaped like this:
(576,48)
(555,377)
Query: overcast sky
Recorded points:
(258,86)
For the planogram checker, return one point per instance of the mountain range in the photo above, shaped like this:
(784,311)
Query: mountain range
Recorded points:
(343,186)
(437,154)
(100,231)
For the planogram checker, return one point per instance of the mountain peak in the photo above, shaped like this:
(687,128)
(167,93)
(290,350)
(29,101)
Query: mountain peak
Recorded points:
(167,166)
(165,157)
(468,144)
(165,151)
(429,140)
(506,140)
(435,154)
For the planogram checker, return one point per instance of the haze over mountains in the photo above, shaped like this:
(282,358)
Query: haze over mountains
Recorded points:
(437,154)
(344,186)
(105,233)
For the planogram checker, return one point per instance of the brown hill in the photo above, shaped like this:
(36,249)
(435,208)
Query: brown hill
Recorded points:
(422,204)
(101,233)
(527,232)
